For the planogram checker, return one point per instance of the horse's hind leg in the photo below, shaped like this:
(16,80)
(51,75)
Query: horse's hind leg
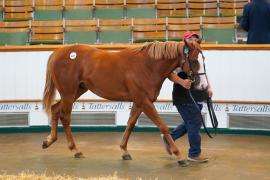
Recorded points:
(56,108)
(134,114)
(65,118)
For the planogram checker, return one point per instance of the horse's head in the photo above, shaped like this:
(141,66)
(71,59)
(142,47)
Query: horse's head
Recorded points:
(193,63)
(190,61)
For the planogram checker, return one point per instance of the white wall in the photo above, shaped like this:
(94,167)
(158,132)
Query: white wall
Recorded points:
(22,74)
(239,75)
(235,75)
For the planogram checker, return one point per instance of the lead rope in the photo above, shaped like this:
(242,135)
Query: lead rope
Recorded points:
(212,114)
(211,111)
(209,102)
(198,108)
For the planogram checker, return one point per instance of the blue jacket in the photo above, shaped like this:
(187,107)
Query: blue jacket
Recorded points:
(256,20)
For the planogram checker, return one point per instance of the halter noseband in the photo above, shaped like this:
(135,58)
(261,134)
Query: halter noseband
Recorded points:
(191,74)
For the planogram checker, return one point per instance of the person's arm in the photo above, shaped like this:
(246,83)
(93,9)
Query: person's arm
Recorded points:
(209,90)
(186,83)
(245,18)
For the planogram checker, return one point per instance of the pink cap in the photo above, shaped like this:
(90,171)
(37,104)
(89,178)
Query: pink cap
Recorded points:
(189,34)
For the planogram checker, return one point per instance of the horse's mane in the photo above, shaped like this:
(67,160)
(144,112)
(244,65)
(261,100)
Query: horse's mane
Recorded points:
(161,50)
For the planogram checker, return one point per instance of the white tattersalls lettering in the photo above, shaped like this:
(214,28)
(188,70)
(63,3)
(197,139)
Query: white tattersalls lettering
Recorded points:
(109,106)
(164,106)
(15,107)
(217,107)
(251,108)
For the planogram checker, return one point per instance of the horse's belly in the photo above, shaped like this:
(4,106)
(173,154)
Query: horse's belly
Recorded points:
(109,91)
(112,96)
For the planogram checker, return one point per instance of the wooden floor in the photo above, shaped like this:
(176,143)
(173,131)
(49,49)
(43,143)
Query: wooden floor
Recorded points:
(231,157)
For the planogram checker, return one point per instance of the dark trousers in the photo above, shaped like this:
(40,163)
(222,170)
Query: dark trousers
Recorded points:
(191,125)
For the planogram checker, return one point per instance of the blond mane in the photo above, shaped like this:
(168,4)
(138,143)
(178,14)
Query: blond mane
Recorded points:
(161,50)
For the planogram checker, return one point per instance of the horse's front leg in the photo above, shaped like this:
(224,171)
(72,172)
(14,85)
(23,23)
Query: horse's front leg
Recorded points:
(55,109)
(149,109)
(65,118)
(134,114)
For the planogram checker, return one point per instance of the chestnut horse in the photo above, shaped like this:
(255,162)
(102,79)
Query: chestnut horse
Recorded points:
(133,74)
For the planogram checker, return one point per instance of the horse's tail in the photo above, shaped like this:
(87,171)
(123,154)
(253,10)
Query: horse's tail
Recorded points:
(49,90)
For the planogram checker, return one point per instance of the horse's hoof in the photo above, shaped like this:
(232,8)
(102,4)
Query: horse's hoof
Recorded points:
(78,155)
(183,163)
(126,157)
(45,145)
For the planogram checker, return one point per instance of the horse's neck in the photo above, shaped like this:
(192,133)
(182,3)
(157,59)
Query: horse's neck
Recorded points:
(165,67)
(160,71)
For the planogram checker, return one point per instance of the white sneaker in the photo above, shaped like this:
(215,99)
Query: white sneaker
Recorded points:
(200,159)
